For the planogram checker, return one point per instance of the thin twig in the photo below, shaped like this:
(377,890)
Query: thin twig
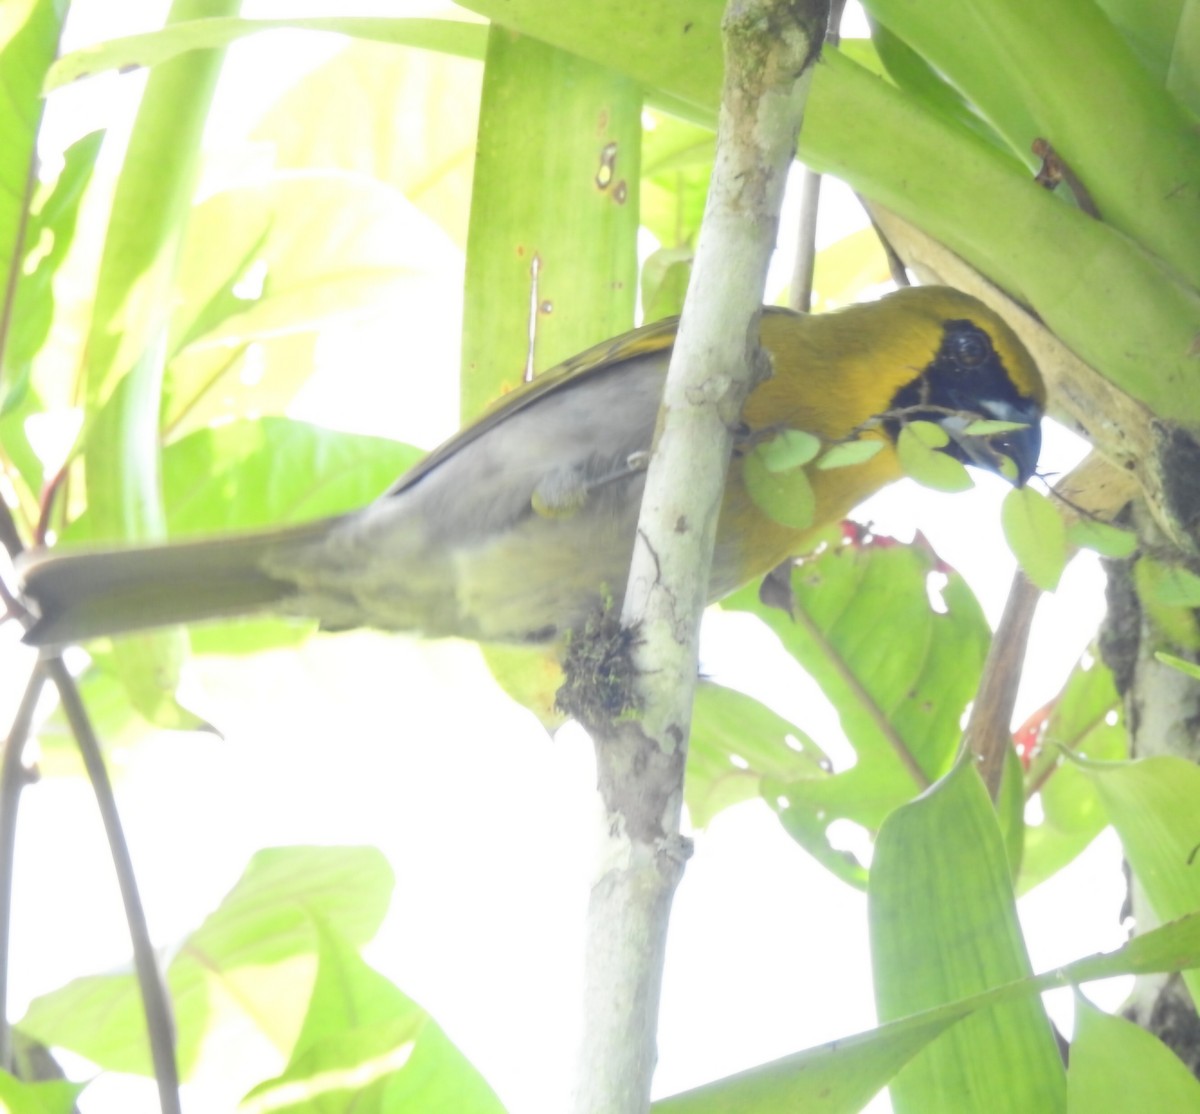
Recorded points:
(801,288)
(155,999)
(989,731)
(13,778)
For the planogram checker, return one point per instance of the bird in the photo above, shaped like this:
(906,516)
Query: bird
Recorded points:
(522,525)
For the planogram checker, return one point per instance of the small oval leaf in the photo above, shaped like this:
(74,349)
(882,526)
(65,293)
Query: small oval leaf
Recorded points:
(786,497)
(788,449)
(1108,541)
(925,464)
(849,453)
(928,433)
(1037,536)
(986,427)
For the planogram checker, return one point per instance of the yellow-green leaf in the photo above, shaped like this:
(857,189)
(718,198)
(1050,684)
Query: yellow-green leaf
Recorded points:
(1108,541)
(849,453)
(917,448)
(1037,536)
(788,449)
(787,497)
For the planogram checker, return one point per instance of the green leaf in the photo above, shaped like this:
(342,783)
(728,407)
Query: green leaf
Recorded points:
(1153,804)
(49,233)
(846,268)
(849,453)
(785,497)
(552,245)
(28,42)
(1072,813)
(677,160)
(155,47)
(366,1048)
(735,744)
(406,118)
(253,959)
(1037,535)
(1183,665)
(899,672)
(1174,586)
(944,926)
(55,1097)
(1118,1066)
(986,427)
(1108,541)
(840,1077)
(788,449)
(917,446)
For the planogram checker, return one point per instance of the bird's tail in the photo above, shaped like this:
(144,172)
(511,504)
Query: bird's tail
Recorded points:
(75,596)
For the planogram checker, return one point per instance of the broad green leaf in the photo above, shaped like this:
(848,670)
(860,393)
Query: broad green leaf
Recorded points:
(944,926)
(735,744)
(551,253)
(406,118)
(1116,1066)
(1153,804)
(840,1077)
(29,31)
(849,453)
(366,1048)
(55,1097)
(785,497)
(1133,320)
(1108,541)
(155,47)
(918,445)
(1031,72)
(1037,535)
(253,960)
(1085,719)
(1184,666)
(898,671)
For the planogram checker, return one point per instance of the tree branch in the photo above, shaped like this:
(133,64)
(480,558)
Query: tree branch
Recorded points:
(769,45)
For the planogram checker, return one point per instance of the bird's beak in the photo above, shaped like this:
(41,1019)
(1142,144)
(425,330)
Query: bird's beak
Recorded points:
(1014,453)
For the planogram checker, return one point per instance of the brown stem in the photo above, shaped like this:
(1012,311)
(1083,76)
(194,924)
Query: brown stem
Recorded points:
(989,734)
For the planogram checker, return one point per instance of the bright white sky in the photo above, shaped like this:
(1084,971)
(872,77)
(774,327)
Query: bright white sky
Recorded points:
(489,823)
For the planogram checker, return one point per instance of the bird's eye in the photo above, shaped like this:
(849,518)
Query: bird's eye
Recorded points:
(969,348)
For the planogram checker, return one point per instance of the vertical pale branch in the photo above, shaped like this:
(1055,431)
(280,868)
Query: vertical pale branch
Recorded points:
(768,47)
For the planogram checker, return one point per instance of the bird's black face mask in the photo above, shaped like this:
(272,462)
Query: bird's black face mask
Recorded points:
(965,382)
